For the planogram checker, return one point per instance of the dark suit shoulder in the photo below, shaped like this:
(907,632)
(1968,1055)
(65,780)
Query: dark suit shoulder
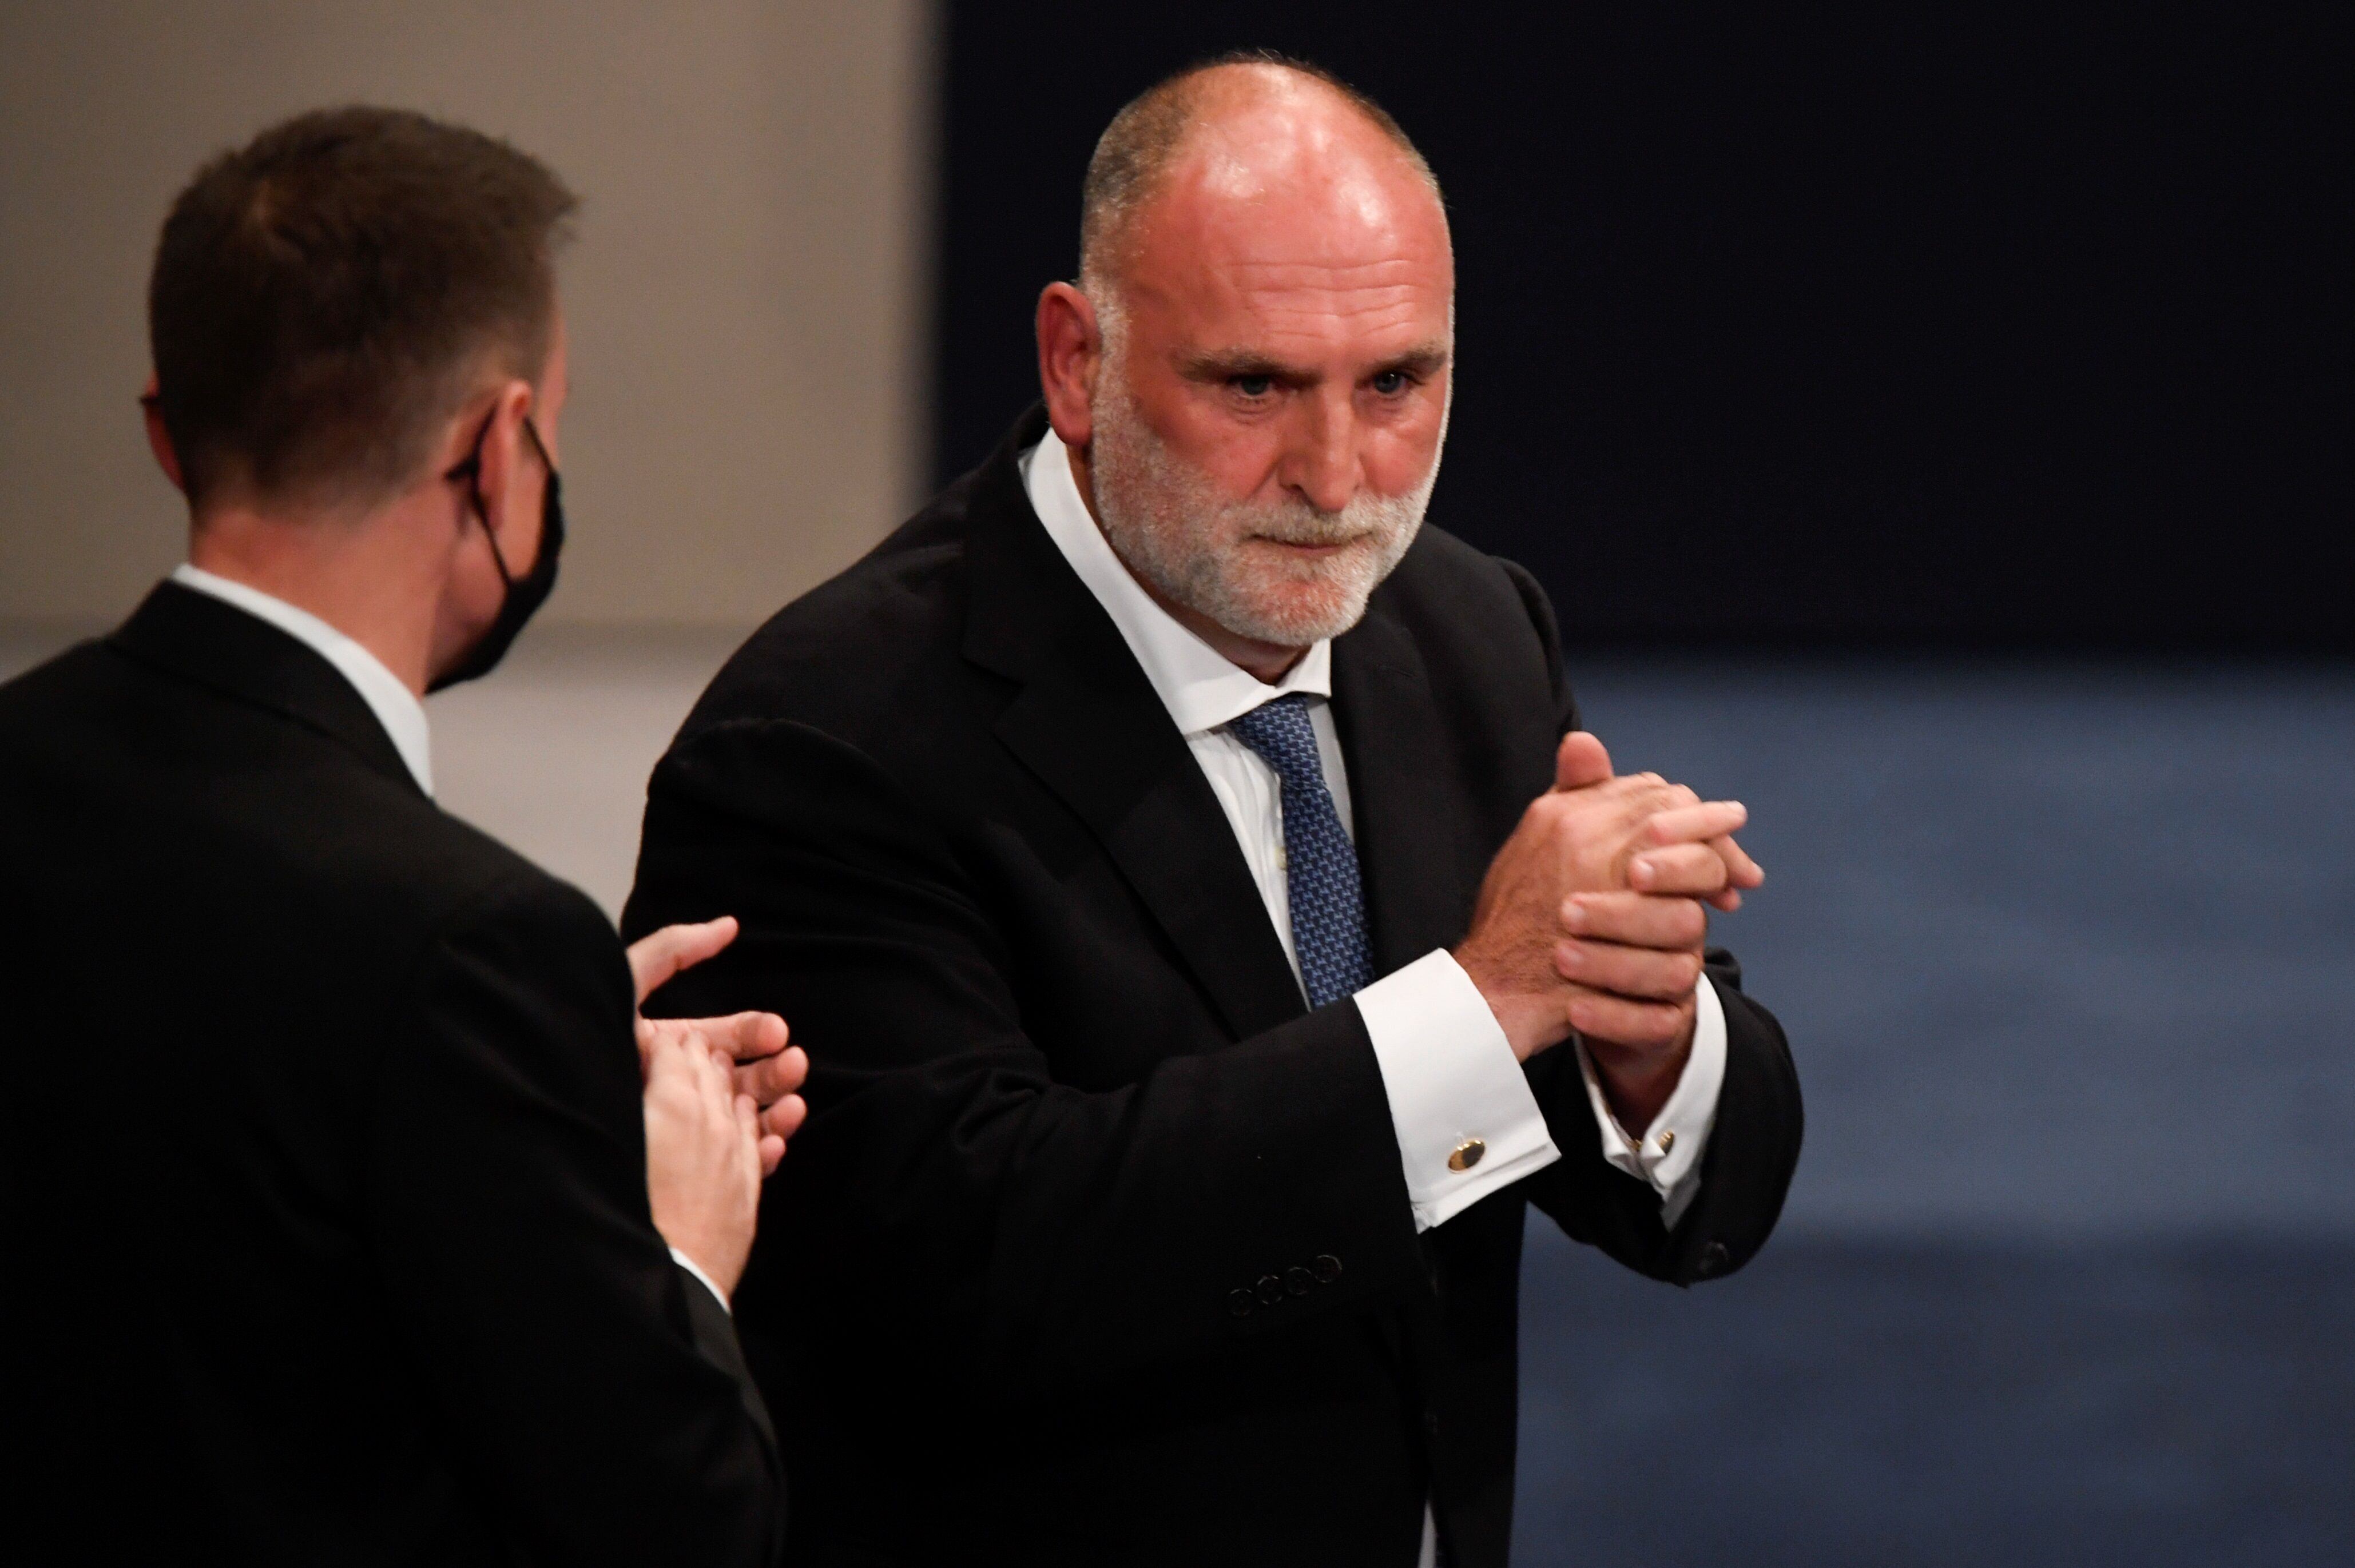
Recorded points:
(859,654)
(1487,635)
(1448,592)
(36,692)
(161,782)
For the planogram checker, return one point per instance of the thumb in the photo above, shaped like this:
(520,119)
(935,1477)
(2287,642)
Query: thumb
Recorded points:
(1581,761)
(656,957)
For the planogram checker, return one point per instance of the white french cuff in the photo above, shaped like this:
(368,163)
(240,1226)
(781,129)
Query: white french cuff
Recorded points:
(1467,1124)
(1669,1154)
(689,1265)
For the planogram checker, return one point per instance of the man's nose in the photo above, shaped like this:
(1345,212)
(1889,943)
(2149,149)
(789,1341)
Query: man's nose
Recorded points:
(1322,463)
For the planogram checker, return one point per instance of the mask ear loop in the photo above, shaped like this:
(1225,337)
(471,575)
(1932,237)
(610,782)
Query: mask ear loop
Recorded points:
(471,470)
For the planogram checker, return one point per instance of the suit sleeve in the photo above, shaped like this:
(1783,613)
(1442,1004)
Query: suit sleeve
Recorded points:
(596,1391)
(1028,1232)
(1753,1146)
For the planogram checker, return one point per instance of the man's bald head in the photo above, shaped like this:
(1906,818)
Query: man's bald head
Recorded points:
(1146,138)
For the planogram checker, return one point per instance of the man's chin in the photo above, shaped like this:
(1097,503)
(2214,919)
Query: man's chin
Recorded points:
(1296,619)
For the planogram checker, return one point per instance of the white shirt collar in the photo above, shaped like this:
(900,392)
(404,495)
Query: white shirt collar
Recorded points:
(395,705)
(1200,686)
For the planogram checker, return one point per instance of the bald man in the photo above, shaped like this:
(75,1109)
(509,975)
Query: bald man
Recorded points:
(1209,926)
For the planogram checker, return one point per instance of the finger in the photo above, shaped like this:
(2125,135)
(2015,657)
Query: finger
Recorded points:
(1639,798)
(1679,868)
(773,1154)
(745,1036)
(772,1078)
(1617,1020)
(1638,919)
(1647,974)
(1740,870)
(1580,761)
(1696,823)
(656,957)
(785,1117)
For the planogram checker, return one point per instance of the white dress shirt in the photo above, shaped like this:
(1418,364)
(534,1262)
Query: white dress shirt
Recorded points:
(1446,1067)
(396,707)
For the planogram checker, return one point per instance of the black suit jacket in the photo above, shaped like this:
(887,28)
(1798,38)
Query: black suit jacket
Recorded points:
(324,1175)
(1097,1246)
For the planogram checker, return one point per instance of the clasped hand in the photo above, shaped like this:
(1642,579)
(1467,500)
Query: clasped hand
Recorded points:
(1592,919)
(720,1105)
(752,1044)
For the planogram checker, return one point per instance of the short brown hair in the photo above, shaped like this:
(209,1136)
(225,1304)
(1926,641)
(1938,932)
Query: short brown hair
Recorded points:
(1137,147)
(326,295)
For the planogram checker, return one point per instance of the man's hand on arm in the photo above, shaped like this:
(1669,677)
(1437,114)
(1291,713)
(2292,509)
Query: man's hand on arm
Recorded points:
(718,1107)
(766,1069)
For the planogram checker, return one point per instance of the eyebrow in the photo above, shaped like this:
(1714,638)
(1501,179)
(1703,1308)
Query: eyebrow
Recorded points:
(1222,365)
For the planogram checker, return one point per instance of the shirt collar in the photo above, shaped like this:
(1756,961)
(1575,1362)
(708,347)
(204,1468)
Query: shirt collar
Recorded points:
(395,705)
(1200,686)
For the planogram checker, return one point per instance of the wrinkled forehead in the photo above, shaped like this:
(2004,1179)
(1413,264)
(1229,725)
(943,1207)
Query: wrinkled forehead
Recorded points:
(1310,243)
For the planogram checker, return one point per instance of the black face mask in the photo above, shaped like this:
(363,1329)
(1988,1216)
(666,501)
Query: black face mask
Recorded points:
(526,594)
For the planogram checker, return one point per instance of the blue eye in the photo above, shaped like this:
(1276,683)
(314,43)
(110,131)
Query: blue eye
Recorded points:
(1389,383)
(1254,386)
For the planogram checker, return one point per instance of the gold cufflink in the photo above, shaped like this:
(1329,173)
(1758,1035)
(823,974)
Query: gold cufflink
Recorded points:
(1468,1154)
(1668,1140)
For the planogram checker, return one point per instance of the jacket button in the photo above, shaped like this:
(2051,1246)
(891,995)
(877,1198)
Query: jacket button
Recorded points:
(1328,1268)
(1431,1424)
(1713,1260)
(1239,1303)
(1298,1280)
(1271,1290)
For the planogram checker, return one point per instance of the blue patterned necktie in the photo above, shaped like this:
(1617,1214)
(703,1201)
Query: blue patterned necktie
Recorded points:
(1320,863)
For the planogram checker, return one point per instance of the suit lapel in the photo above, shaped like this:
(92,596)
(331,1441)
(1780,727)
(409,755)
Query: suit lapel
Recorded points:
(1107,749)
(1396,749)
(1088,724)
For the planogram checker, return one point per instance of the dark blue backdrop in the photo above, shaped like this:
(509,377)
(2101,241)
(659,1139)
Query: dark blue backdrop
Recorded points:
(2068,1274)
(1995,324)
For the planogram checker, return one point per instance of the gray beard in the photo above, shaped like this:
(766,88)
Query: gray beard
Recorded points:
(1168,523)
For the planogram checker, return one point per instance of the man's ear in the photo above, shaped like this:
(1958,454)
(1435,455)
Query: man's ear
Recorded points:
(511,478)
(1070,349)
(159,439)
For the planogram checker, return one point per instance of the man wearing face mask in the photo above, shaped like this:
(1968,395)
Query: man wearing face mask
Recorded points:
(370,1223)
